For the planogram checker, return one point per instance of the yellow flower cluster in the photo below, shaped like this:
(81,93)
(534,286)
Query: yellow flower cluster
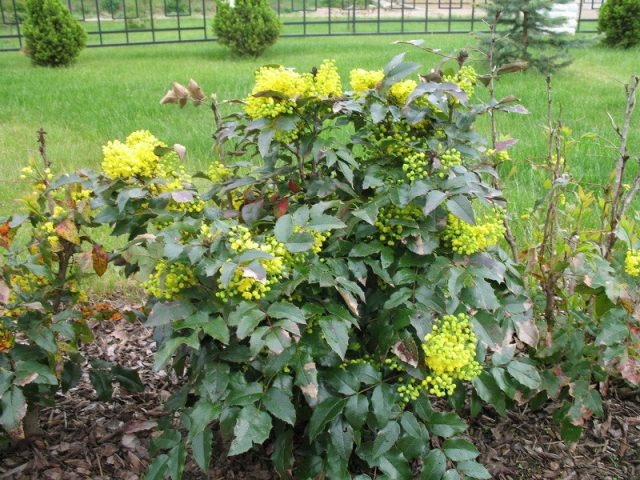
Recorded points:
(362,80)
(466,79)
(400,91)
(245,283)
(134,158)
(389,222)
(450,351)
(632,263)
(7,340)
(416,166)
(169,279)
(174,178)
(450,158)
(394,139)
(218,172)
(500,156)
(80,195)
(326,82)
(467,239)
(291,85)
(28,283)
(318,243)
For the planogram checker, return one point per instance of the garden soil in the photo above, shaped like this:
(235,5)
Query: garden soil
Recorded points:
(83,438)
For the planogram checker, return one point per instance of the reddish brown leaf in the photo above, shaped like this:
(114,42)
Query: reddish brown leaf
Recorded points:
(68,231)
(630,370)
(181,150)
(281,207)
(100,259)
(4,292)
(6,235)
(293,186)
(407,351)
(197,96)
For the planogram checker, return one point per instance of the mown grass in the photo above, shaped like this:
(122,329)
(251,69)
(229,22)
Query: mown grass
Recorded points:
(112,91)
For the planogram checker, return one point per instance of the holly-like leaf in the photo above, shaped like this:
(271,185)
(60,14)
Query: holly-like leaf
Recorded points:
(524,373)
(14,409)
(324,413)
(336,333)
(279,405)
(252,426)
(201,448)
(100,259)
(68,231)
(458,449)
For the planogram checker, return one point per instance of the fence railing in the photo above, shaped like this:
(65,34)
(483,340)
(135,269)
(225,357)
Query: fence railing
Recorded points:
(137,22)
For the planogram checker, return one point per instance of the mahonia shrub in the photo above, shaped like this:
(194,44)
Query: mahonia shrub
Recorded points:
(332,286)
(584,291)
(53,37)
(247,28)
(44,255)
(619,20)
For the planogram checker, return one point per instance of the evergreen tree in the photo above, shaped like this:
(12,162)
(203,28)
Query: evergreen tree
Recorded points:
(248,27)
(54,38)
(528,32)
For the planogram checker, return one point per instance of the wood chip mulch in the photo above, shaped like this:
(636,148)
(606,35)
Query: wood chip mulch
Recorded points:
(88,439)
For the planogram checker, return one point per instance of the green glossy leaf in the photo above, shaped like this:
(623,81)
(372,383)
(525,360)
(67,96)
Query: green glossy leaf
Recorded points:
(14,409)
(128,378)
(458,449)
(445,424)
(525,374)
(217,328)
(356,410)
(246,318)
(385,439)
(175,464)
(201,448)
(43,337)
(336,334)
(202,414)
(434,465)
(323,414)
(287,311)
(158,468)
(252,426)
(472,469)
(278,403)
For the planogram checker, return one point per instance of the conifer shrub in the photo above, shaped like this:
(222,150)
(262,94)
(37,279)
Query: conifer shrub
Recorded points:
(619,20)
(248,28)
(54,38)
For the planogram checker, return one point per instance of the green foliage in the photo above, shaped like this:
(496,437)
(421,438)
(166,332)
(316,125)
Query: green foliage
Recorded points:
(45,254)
(619,20)
(526,34)
(248,28)
(585,291)
(306,288)
(53,37)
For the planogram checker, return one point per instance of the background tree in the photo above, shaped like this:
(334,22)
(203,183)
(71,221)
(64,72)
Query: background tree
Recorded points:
(54,38)
(619,20)
(529,33)
(247,27)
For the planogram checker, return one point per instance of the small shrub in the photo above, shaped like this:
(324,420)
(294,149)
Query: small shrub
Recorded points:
(110,6)
(53,37)
(249,28)
(620,22)
(46,252)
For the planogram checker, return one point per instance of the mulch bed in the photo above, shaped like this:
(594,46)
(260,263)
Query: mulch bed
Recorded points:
(88,439)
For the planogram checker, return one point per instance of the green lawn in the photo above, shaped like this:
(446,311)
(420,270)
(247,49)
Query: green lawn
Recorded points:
(112,91)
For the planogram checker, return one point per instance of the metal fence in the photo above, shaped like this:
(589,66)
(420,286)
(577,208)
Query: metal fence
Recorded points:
(137,22)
